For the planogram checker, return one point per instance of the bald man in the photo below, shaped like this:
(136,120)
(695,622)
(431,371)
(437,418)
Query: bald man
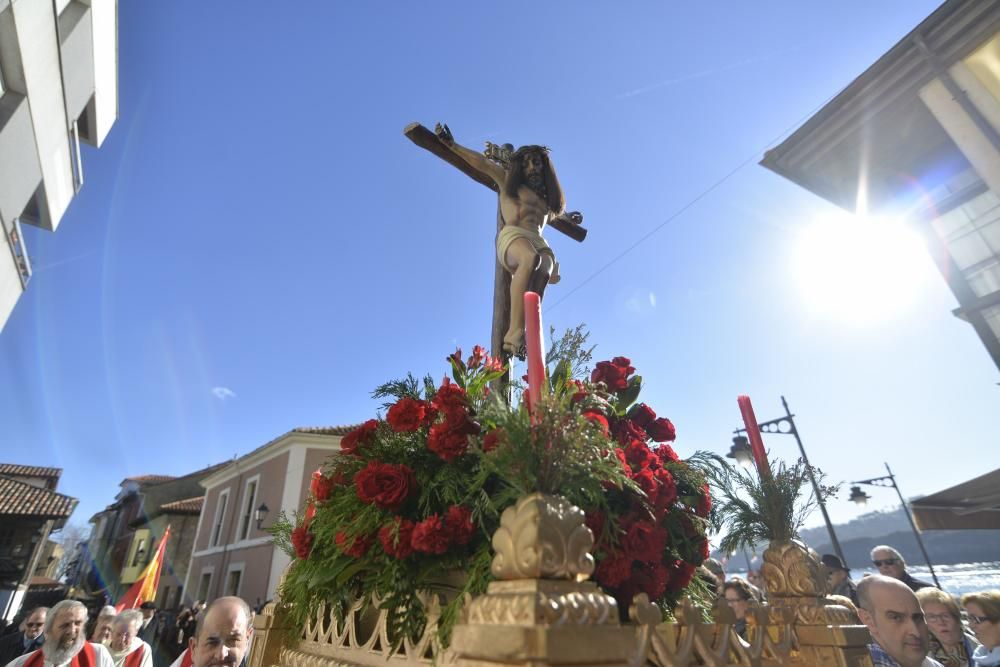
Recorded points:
(893,616)
(222,637)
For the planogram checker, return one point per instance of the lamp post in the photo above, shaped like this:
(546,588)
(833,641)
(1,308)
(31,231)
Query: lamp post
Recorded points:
(786,425)
(861,498)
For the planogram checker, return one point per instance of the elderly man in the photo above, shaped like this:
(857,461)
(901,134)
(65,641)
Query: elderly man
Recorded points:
(890,563)
(896,622)
(126,649)
(65,643)
(838,578)
(28,639)
(101,634)
(222,638)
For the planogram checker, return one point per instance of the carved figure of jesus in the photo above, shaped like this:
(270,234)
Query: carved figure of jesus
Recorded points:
(530,197)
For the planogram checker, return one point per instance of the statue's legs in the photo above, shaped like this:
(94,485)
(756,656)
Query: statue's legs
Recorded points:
(532,271)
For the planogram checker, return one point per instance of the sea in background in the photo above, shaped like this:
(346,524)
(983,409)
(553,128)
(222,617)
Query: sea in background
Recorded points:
(957,579)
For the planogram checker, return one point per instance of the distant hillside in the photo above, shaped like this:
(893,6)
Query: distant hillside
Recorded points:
(860,535)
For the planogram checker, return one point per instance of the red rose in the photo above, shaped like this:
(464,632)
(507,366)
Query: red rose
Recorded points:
(449,440)
(613,570)
(638,455)
(360,436)
(429,536)
(354,547)
(682,575)
(626,430)
(666,452)
(396,536)
(642,415)
(321,486)
(614,376)
(407,415)
(595,417)
(624,362)
(648,578)
(451,400)
(302,540)
(704,506)
(384,484)
(661,430)
(644,541)
(458,524)
(493,439)
(666,494)
(620,455)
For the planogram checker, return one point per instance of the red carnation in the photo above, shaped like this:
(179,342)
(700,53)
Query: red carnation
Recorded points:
(384,484)
(429,536)
(396,536)
(595,417)
(321,486)
(458,524)
(451,400)
(450,440)
(704,506)
(407,415)
(493,439)
(613,570)
(359,437)
(302,540)
(661,430)
(355,547)
(642,415)
(644,541)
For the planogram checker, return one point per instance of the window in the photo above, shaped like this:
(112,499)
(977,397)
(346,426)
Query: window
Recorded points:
(249,500)
(204,584)
(139,553)
(220,517)
(233,582)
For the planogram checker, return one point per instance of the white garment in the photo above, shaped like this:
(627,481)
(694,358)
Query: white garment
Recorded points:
(118,657)
(986,658)
(101,656)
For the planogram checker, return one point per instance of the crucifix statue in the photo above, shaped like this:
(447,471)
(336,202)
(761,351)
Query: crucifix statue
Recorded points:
(529,199)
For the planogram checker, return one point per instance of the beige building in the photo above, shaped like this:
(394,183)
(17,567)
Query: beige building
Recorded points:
(917,136)
(233,554)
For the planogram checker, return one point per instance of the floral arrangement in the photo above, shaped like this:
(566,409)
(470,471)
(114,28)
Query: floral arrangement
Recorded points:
(413,498)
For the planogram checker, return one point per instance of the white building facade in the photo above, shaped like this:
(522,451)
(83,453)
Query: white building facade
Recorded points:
(58,88)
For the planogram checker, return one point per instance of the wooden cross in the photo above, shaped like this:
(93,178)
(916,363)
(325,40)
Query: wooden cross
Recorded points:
(427,140)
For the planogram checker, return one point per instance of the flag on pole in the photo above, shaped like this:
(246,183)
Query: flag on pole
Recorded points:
(144,588)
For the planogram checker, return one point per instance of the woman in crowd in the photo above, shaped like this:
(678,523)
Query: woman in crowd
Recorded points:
(984,619)
(949,644)
(738,594)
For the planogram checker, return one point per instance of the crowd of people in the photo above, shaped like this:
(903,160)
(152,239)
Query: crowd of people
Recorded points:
(217,635)
(912,622)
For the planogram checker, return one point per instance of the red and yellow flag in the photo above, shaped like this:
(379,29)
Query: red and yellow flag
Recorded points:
(144,588)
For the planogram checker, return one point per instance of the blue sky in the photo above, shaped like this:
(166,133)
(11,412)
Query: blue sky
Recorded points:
(257,245)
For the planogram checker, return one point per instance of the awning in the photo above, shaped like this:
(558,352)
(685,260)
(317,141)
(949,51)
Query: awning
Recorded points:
(974,504)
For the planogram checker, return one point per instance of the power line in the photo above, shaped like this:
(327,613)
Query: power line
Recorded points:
(704,193)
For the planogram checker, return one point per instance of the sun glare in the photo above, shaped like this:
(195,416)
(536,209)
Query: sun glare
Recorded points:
(859,270)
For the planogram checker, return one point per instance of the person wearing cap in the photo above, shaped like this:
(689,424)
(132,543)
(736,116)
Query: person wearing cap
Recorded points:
(838,578)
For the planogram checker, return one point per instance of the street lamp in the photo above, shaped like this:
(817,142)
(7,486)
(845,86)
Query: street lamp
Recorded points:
(861,498)
(260,514)
(786,426)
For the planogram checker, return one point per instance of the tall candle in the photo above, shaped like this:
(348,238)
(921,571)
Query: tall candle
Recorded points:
(753,431)
(533,344)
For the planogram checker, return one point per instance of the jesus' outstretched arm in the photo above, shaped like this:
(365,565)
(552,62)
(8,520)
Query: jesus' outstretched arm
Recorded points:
(477,160)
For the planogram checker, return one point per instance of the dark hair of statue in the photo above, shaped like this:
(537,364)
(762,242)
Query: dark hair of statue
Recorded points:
(515,177)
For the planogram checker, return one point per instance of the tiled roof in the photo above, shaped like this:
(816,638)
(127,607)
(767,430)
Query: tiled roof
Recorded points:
(15,470)
(21,499)
(149,479)
(326,430)
(188,505)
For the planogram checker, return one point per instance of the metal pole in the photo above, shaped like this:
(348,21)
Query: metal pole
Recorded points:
(816,490)
(916,533)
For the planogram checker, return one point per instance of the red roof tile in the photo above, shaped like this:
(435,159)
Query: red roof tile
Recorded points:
(15,470)
(188,505)
(21,499)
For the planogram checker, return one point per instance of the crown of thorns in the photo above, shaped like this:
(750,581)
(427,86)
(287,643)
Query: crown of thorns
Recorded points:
(504,154)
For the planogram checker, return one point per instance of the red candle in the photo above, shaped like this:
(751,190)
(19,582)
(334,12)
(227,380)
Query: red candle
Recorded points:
(753,431)
(533,344)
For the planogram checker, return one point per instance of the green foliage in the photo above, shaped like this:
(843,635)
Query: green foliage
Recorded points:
(752,508)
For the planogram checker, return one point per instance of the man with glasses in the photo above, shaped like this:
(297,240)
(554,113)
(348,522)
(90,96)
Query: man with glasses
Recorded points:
(890,563)
(28,639)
